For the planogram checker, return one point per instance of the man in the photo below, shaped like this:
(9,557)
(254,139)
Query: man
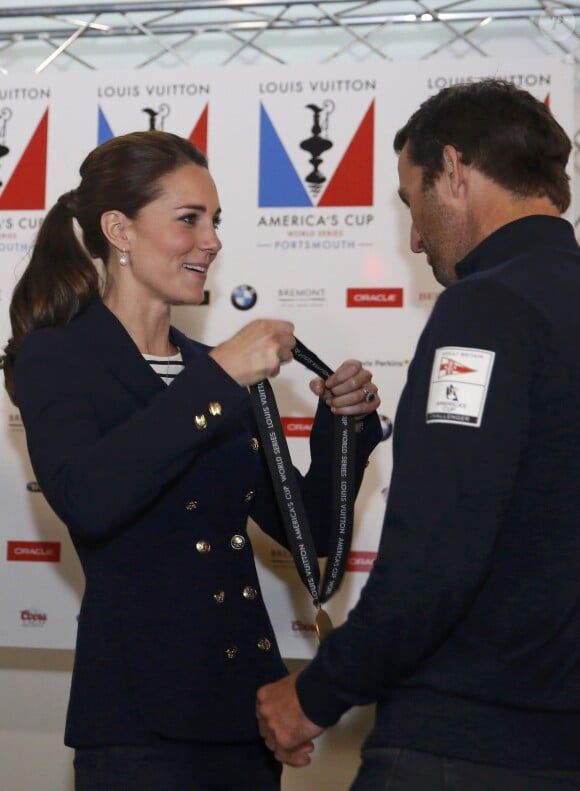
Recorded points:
(467,633)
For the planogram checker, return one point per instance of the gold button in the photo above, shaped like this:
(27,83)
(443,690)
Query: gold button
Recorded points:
(254,444)
(264,644)
(191,506)
(232,651)
(200,421)
(219,597)
(248,497)
(215,408)
(238,542)
(203,547)
(249,592)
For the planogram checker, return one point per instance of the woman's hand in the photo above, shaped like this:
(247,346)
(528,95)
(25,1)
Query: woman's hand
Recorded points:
(257,351)
(349,391)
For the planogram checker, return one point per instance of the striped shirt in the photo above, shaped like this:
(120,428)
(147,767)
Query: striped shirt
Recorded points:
(166,367)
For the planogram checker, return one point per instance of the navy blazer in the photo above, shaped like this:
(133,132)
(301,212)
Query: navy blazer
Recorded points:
(173,636)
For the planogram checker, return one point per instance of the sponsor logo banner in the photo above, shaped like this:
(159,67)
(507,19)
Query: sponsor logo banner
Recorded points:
(35,551)
(302,629)
(361,561)
(244,297)
(374,297)
(23,154)
(297,426)
(295,171)
(145,104)
(32,617)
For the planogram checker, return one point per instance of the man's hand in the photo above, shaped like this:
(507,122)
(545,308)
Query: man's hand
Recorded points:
(284,726)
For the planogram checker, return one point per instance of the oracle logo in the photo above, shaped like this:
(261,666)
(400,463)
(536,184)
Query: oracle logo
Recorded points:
(374,297)
(304,628)
(39,551)
(297,426)
(361,561)
(32,618)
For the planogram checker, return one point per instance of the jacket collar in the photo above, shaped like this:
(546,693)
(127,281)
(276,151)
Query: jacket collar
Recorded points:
(517,238)
(98,330)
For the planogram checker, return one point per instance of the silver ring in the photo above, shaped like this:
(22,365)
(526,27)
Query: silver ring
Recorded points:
(369,395)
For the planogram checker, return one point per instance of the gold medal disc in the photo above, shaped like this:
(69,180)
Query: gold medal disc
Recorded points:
(323,624)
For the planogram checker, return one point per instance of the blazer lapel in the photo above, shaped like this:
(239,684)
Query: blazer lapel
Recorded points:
(101,334)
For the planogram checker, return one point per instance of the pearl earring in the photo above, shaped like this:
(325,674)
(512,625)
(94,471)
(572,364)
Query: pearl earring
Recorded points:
(123,258)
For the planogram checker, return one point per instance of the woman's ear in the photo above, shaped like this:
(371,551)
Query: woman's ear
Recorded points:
(114,226)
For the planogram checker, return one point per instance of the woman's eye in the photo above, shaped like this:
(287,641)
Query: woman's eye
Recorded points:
(217,221)
(189,219)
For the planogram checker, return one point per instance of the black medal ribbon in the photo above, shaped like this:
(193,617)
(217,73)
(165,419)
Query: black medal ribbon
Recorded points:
(289,496)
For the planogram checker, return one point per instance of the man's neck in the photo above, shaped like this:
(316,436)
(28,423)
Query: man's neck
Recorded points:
(493,207)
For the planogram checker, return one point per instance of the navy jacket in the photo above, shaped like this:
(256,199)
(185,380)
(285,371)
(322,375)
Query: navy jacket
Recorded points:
(173,635)
(467,634)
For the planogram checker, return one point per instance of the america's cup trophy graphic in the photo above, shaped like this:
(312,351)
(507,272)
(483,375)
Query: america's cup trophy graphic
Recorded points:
(317,145)
(157,117)
(5,116)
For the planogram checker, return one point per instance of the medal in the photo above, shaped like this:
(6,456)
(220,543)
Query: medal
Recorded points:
(322,623)
(289,496)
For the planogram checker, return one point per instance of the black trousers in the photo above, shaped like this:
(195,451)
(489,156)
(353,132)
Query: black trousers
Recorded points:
(177,766)
(396,769)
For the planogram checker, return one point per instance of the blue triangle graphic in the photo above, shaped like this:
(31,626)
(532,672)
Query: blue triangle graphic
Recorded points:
(280,185)
(105,131)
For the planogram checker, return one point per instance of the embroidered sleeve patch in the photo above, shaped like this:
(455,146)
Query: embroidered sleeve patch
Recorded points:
(459,384)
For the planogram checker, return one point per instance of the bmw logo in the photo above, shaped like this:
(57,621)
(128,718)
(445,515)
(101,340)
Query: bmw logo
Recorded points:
(244,297)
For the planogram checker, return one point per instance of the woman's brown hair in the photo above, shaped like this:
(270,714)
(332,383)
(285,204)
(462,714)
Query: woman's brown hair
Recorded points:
(61,278)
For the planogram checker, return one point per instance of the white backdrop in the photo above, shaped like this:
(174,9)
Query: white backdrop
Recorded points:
(336,263)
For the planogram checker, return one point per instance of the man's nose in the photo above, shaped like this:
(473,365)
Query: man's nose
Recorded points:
(416,241)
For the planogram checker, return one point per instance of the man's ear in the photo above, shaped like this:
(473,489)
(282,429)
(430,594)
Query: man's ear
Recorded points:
(453,168)
(114,226)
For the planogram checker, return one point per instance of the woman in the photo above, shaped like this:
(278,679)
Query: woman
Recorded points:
(154,482)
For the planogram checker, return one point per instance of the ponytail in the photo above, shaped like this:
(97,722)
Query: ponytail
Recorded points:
(58,283)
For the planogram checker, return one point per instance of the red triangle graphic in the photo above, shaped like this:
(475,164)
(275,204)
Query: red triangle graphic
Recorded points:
(448,367)
(352,183)
(199,135)
(547,100)
(26,188)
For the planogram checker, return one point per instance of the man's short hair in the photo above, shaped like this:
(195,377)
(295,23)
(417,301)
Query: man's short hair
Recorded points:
(503,131)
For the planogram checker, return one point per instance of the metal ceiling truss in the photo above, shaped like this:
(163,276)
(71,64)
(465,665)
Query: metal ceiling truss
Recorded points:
(260,29)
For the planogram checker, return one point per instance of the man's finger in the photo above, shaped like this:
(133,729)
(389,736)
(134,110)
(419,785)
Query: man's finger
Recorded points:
(294,758)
